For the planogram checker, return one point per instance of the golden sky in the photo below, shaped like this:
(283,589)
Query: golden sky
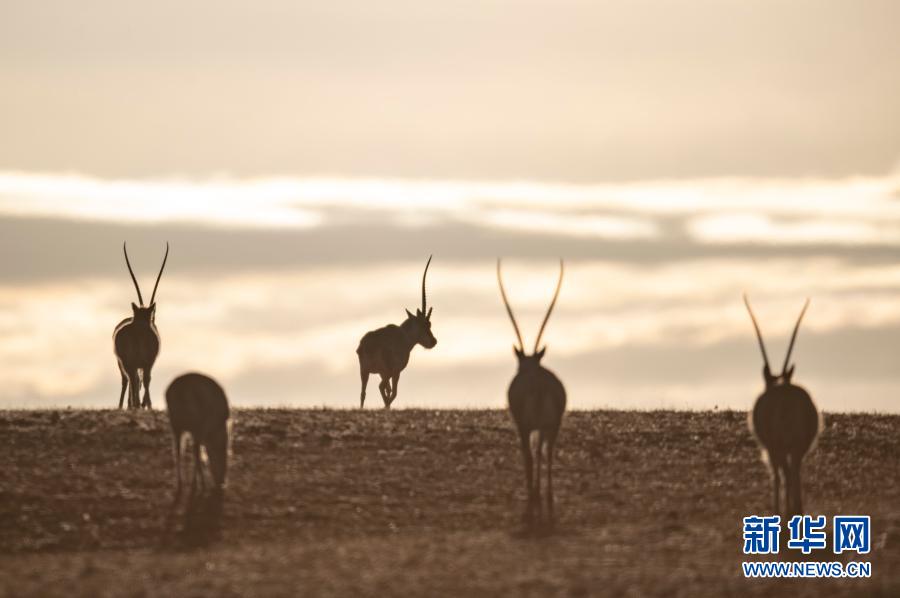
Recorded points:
(581,91)
(304,159)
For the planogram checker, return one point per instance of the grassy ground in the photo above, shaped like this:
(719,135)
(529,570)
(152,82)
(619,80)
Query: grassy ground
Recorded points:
(425,503)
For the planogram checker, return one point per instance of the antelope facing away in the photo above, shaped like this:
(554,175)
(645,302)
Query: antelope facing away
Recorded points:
(136,343)
(785,422)
(197,406)
(537,400)
(386,351)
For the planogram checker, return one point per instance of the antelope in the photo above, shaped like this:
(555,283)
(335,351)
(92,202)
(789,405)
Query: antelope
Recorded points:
(537,400)
(785,422)
(385,351)
(136,343)
(197,406)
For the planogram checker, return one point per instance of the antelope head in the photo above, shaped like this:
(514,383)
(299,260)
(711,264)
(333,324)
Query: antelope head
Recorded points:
(141,313)
(787,370)
(420,323)
(533,360)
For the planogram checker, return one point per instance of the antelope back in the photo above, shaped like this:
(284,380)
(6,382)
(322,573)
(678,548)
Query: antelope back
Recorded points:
(198,405)
(785,420)
(537,399)
(136,339)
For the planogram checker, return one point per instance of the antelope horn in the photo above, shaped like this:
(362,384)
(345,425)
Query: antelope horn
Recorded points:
(787,358)
(423,282)
(130,271)
(550,309)
(158,276)
(509,309)
(762,346)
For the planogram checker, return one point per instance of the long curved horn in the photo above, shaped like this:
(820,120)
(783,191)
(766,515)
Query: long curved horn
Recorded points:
(787,357)
(423,282)
(762,346)
(537,342)
(130,271)
(509,309)
(158,276)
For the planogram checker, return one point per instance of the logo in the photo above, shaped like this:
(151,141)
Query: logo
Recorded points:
(761,534)
(852,534)
(806,535)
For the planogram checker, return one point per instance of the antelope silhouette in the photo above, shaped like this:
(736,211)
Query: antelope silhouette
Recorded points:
(537,401)
(198,406)
(136,343)
(385,351)
(785,422)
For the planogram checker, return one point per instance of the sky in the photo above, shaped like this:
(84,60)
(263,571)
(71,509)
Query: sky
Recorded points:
(303,160)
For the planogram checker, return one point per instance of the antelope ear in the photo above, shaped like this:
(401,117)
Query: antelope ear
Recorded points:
(134,307)
(540,354)
(430,309)
(767,376)
(409,315)
(790,373)
(519,353)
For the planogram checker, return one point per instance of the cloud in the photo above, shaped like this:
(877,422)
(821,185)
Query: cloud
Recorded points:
(85,198)
(760,228)
(576,225)
(663,325)
(285,276)
(852,210)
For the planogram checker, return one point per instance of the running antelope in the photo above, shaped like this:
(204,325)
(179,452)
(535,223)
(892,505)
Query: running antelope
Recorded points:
(136,343)
(197,406)
(386,351)
(537,400)
(785,422)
